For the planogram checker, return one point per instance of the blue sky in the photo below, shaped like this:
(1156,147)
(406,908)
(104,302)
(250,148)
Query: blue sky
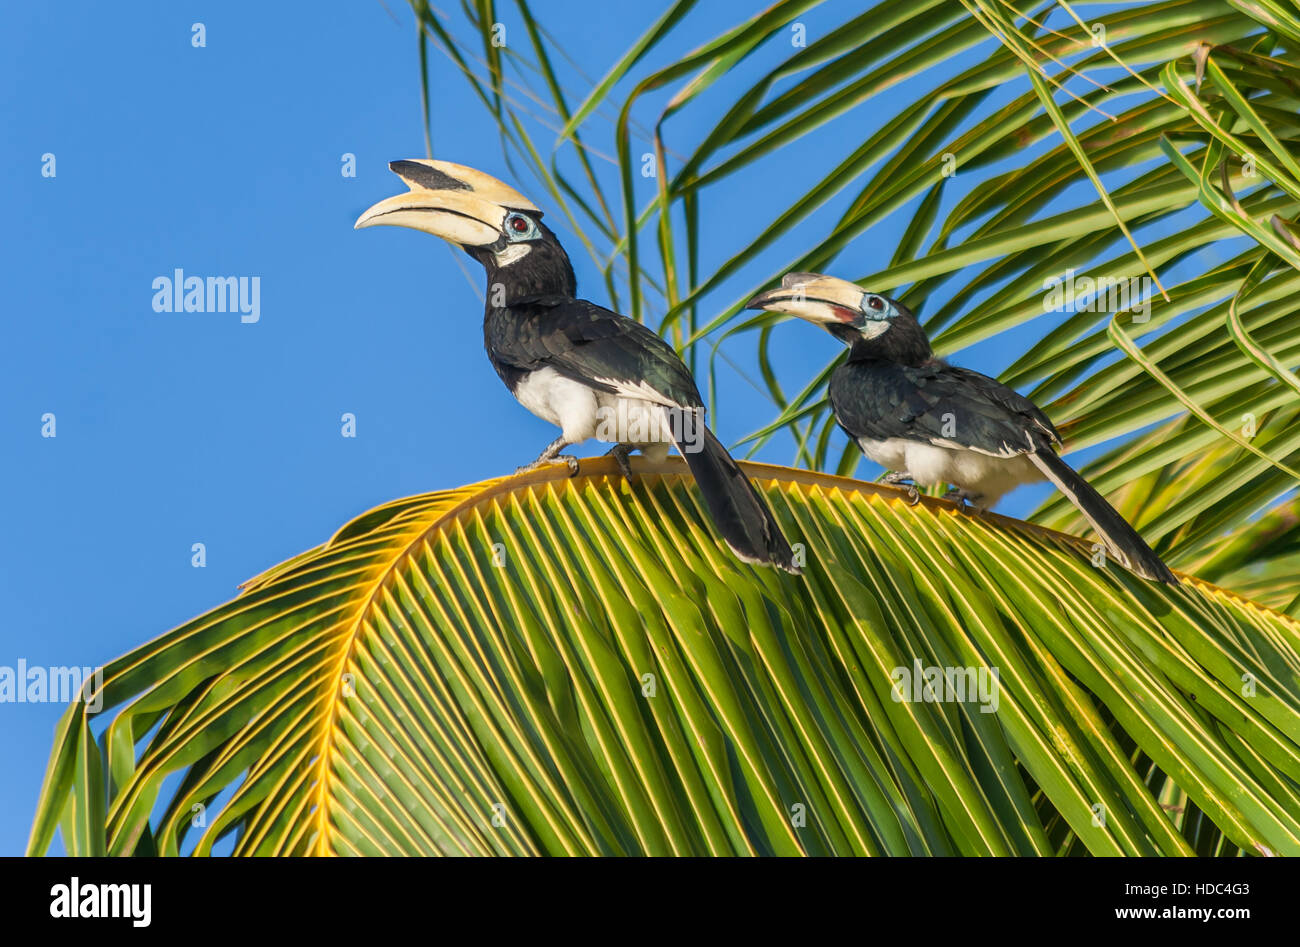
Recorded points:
(183,428)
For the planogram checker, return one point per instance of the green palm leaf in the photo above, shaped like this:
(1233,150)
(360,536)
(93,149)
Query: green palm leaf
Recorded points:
(539,665)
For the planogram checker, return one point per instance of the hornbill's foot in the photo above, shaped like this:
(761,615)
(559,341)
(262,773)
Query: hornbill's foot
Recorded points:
(897,477)
(620,453)
(967,501)
(568,459)
(550,456)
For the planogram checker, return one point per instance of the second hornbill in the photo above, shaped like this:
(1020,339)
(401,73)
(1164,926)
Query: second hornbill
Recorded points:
(590,371)
(929,422)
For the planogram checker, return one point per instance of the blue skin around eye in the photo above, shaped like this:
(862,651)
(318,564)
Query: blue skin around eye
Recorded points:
(876,314)
(532,233)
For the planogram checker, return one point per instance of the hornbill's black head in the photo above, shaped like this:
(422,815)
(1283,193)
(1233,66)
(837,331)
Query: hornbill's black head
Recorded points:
(491,221)
(873,325)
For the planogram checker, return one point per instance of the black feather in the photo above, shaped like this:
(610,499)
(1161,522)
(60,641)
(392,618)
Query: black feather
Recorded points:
(587,343)
(739,512)
(938,404)
(1122,539)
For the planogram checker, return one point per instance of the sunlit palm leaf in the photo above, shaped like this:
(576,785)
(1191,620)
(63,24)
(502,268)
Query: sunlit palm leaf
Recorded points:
(538,665)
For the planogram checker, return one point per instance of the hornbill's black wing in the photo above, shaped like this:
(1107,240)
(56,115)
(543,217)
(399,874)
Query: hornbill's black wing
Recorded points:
(613,353)
(595,346)
(939,404)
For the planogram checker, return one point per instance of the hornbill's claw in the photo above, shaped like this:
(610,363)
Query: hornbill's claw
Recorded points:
(897,477)
(619,452)
(568,459)
(963,499)
(552,455)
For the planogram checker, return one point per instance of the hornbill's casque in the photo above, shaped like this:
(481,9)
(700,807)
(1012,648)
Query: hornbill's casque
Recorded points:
(590,371)
(931,423)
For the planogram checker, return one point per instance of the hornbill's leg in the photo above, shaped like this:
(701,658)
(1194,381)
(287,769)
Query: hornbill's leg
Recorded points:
(895,477)
(969,502)
(551,455)
(619,452)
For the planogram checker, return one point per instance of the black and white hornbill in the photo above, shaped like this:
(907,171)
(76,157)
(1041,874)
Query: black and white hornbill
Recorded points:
(929,422)
(590,371)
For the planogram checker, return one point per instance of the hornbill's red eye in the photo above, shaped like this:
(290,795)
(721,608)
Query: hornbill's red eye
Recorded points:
(518,224)
(876,303)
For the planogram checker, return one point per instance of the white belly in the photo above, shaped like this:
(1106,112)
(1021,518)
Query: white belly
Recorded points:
(890,454)
(569,405)
(582,412)
(981,475)
(645,424)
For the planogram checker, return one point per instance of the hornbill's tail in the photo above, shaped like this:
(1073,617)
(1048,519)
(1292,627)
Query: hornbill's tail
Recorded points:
(740,514)
(1121,538)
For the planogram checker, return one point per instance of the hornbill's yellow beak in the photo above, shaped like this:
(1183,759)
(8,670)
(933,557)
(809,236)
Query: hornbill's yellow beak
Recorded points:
(451,201)
(824,300)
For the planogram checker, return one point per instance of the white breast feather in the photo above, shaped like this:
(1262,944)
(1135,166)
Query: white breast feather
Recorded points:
(568,404)
(890,453)
(985,475)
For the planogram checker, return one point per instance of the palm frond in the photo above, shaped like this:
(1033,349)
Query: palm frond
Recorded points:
(539,665)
